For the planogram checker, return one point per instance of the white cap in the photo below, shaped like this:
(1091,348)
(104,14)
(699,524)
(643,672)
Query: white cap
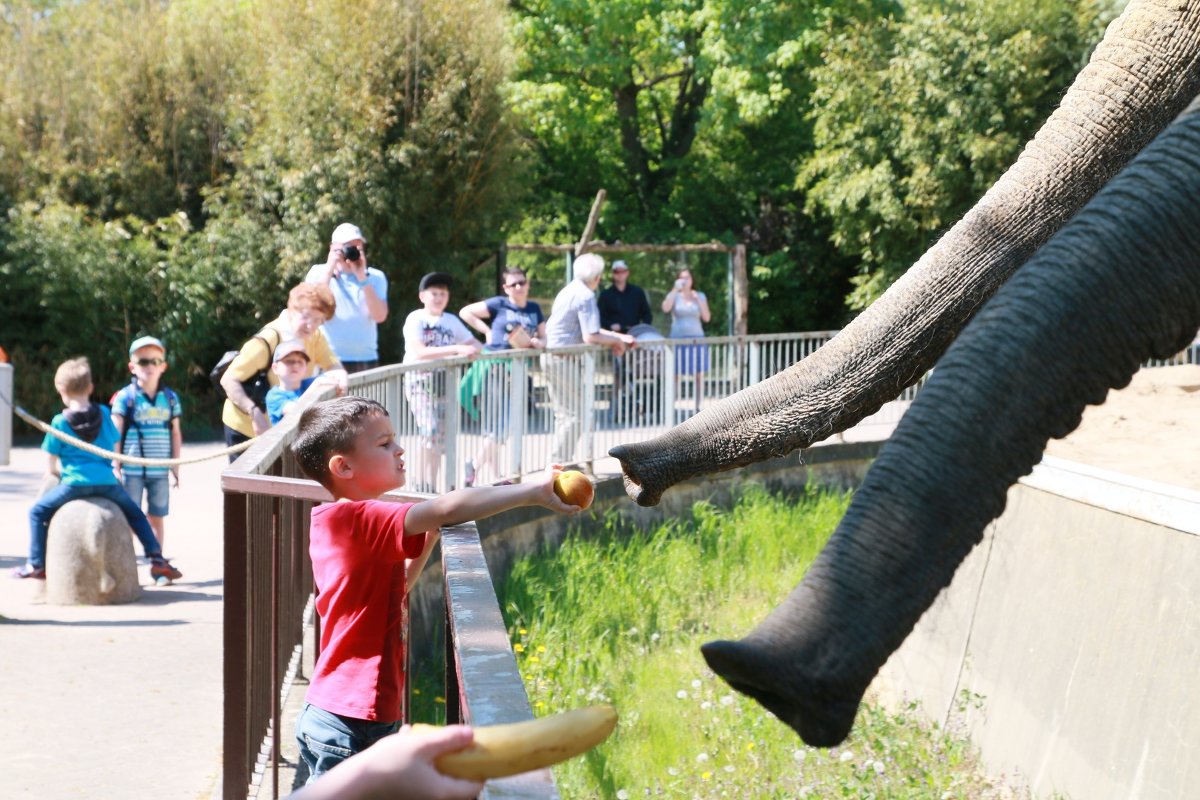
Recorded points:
(618,264)
(346,232)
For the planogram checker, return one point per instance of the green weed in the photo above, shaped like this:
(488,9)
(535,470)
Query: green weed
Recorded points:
(618,616)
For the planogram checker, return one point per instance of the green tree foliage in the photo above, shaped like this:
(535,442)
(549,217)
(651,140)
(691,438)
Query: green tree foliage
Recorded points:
(691,114)
(918,112)
(174,167)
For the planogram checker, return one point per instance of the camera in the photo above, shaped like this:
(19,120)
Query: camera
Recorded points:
(679,283)
(351,253)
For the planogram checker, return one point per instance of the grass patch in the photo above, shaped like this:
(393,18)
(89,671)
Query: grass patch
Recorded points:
(618,616)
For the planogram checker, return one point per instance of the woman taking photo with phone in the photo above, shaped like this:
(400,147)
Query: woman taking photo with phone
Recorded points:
(689,311)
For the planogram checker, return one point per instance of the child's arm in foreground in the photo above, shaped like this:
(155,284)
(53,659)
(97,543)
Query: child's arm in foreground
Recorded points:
(398,767)
(463,505)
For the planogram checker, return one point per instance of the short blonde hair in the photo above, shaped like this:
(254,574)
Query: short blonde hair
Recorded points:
(74,376)
(316,297)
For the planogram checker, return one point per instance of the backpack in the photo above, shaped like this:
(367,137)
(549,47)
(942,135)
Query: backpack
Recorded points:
(130,409)
(257,386)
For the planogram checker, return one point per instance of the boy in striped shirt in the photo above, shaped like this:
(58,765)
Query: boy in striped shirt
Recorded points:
(146,414)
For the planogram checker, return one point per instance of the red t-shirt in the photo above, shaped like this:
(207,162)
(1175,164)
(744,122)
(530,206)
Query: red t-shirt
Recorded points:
(358,550)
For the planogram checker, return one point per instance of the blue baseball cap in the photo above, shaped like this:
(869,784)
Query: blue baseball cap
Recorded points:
(145,341)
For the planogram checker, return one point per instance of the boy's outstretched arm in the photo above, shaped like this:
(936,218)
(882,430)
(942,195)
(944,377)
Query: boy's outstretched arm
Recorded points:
(464,505)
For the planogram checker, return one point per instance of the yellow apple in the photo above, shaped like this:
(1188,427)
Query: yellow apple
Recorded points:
(574,488)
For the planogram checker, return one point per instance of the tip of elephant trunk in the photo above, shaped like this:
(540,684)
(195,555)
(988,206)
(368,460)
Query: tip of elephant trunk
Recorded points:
(821,715)
(639,484)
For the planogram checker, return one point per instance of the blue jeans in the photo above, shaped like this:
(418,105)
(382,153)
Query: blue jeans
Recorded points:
(327,739)
(53,500)
(156,486)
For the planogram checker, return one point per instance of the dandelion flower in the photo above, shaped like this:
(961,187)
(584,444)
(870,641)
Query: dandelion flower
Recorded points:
(541,648)
(441,700)
(416,690)
(701,758)
(696,683)
(682,694)
(799,755)
(534,659)
(622,794)
(749,745)
(518,648)
(878,767)
(539,704)
(727,700)
(846,755)
(705,706)
(654,637)
(522,631)
(706,776)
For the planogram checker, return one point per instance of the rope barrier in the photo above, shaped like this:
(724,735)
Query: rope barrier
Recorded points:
(136,461)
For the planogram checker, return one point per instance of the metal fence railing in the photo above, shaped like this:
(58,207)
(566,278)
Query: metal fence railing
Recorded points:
(498,416)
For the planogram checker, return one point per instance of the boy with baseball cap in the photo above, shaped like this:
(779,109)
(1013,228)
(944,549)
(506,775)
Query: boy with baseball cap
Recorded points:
(291,367)
(147,416)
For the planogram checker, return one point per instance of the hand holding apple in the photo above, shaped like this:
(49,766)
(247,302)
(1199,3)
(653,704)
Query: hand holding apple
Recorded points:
(574,488)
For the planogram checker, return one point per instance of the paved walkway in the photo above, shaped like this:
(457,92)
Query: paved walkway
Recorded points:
(114,701)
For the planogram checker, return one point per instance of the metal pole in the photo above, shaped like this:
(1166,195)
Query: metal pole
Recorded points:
(6,393)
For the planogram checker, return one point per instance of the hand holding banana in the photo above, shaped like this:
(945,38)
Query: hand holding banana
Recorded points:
(503,750)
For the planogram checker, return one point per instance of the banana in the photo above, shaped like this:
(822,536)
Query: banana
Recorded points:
(503,750)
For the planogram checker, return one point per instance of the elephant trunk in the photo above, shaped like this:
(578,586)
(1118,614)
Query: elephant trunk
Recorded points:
(1118,285)
(1139,78)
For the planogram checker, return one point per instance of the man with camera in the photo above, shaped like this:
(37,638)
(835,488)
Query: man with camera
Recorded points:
(361,295)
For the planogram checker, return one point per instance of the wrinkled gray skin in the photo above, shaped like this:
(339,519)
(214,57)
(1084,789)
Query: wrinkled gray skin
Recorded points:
(1118,284)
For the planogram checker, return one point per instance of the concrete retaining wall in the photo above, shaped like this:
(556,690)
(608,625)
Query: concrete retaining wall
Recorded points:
(1068,645)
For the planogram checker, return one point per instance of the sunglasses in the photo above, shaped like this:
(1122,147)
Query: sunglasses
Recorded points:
(150,362)
(515,284)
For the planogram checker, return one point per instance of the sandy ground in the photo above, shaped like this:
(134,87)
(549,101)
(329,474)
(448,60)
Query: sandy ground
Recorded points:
(1150,429)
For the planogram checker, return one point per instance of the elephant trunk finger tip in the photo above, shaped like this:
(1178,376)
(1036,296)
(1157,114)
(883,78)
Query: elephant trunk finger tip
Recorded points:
(821,714)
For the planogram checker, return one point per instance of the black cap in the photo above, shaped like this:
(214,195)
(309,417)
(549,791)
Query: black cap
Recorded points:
(436,279)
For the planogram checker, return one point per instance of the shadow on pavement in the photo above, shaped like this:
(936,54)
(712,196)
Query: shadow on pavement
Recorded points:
(95,623)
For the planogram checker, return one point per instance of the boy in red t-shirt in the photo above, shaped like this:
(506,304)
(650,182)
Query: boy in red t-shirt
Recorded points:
(365,554)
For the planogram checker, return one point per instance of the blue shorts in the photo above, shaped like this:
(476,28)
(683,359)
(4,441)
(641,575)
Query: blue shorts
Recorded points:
(157,487)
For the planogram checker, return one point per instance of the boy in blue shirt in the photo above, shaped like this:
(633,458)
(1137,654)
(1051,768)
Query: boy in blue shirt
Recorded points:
(83,474)
(146,414)
(290,366)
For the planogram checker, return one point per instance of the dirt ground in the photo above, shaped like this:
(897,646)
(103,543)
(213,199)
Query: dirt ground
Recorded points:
(1150,429)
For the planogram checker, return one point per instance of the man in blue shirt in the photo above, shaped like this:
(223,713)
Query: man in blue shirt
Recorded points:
(360,295)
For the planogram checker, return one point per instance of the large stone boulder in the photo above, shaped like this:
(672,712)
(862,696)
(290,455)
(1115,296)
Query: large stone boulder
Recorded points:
(89,555)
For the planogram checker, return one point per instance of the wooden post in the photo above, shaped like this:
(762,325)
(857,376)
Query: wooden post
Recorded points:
(590,228)
(741,292)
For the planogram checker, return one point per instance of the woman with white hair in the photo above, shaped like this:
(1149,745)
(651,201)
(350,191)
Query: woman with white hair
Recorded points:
(575,319)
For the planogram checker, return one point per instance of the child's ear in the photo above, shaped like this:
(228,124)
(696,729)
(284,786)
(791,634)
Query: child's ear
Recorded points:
(340,467)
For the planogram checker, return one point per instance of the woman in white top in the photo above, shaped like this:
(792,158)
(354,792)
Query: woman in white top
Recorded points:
(689,311)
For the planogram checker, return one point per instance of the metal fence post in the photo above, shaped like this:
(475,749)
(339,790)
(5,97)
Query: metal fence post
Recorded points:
(518,413)
(589,408)
(453,474)
(668,385)
(6,411)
